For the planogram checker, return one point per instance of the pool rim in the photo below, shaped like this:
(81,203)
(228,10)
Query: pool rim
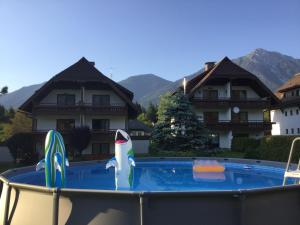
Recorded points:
(4,178)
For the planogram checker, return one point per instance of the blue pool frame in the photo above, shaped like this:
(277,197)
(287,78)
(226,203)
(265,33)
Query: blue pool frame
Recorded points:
(30,204)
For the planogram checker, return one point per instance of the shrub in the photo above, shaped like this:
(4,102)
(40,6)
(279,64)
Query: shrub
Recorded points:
(244,144)
(80,138)
(277,148)
(22,148)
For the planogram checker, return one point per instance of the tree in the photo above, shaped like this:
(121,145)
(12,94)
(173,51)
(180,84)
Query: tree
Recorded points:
(80,138)
(4,90)
(143,118)
(165,102)
(20,123)
(22,149)
(151,113)
(179,128)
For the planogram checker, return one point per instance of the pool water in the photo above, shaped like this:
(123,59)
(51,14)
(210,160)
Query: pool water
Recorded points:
(164,175)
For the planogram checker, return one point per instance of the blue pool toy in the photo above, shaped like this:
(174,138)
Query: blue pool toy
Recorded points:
(55,160)
(123,160)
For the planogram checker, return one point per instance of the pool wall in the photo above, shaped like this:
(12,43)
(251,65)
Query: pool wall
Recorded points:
(29,204)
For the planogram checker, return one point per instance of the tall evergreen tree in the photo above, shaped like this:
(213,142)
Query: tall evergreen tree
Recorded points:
(180,129)
(151,113)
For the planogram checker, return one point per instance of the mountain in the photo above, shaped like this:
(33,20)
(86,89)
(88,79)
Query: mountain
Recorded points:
(142,85)
(272,68)
(16,98)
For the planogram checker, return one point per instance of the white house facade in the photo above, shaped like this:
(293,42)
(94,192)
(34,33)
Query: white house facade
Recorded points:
(231,102)
(286,117)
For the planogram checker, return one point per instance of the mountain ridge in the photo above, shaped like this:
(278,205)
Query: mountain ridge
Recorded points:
(271,67)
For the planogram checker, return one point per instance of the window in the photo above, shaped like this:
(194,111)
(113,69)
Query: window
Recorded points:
(286,131)
(100,148)
(210,94)
(65,99)
(100,124)
(291,112)
(65,124)
(292,130)
(211,117)
(297,93)
(285,113)
(298,130)
(239,94)
(137,133)
(284,95)
(240,117)
(293,93)
(101,100)
(297,111)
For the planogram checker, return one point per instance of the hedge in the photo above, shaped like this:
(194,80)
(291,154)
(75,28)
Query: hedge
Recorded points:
(244,144)
(277,148)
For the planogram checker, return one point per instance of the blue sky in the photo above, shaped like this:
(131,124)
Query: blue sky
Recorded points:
(170,38)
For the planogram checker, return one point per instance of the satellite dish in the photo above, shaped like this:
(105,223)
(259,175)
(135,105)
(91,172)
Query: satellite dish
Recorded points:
(236,109)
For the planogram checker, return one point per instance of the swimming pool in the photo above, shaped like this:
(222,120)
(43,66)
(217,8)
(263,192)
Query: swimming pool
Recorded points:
(165,191)
(167,175)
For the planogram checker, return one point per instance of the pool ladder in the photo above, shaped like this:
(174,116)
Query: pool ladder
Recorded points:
(288,172)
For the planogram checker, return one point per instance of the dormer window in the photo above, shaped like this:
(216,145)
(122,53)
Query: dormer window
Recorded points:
(65,99)
(99,100)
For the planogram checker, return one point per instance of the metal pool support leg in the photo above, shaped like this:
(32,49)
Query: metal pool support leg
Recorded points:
(142,209)
(6,204)
(55,207)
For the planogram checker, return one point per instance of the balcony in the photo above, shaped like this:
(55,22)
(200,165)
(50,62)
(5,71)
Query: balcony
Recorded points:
(250,125)
(88,108)
(226,102)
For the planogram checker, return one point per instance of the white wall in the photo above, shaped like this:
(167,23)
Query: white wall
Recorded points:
(254,114)
(88,96)
(250,92)
(116,122)
(285,122)
(224,114)
(225,139)
(223,90)
(52,96)
(114,98)
(140,146)
(47,122)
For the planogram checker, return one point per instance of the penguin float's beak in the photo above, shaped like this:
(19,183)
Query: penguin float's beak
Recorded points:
(121,137)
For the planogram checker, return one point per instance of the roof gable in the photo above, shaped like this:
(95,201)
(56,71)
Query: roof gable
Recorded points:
(82,71)
(292,83)
(229,70)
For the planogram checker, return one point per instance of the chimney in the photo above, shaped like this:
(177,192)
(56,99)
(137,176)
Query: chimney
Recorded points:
(92,63)
(208,65)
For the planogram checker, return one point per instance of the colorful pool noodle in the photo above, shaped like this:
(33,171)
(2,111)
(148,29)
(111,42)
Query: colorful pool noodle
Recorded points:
(123,161)
(55,160)
(209,170)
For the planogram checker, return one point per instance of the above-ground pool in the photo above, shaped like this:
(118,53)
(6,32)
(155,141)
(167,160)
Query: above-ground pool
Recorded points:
(167,175)
(164,191)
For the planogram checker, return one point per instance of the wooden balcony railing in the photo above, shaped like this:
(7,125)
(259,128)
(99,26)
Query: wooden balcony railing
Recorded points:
(80,107)
(250,125)
(225,102)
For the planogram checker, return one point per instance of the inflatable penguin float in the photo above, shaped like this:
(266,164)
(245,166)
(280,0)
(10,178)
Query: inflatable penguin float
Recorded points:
(123,161)
(55,160)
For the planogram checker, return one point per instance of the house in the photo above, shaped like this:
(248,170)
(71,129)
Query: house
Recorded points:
(231,102)
(286,116)
(81,96)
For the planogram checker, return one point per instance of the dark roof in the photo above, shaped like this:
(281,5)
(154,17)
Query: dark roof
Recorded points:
(226,69)
(138,125)
(82,71)
(292,83)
